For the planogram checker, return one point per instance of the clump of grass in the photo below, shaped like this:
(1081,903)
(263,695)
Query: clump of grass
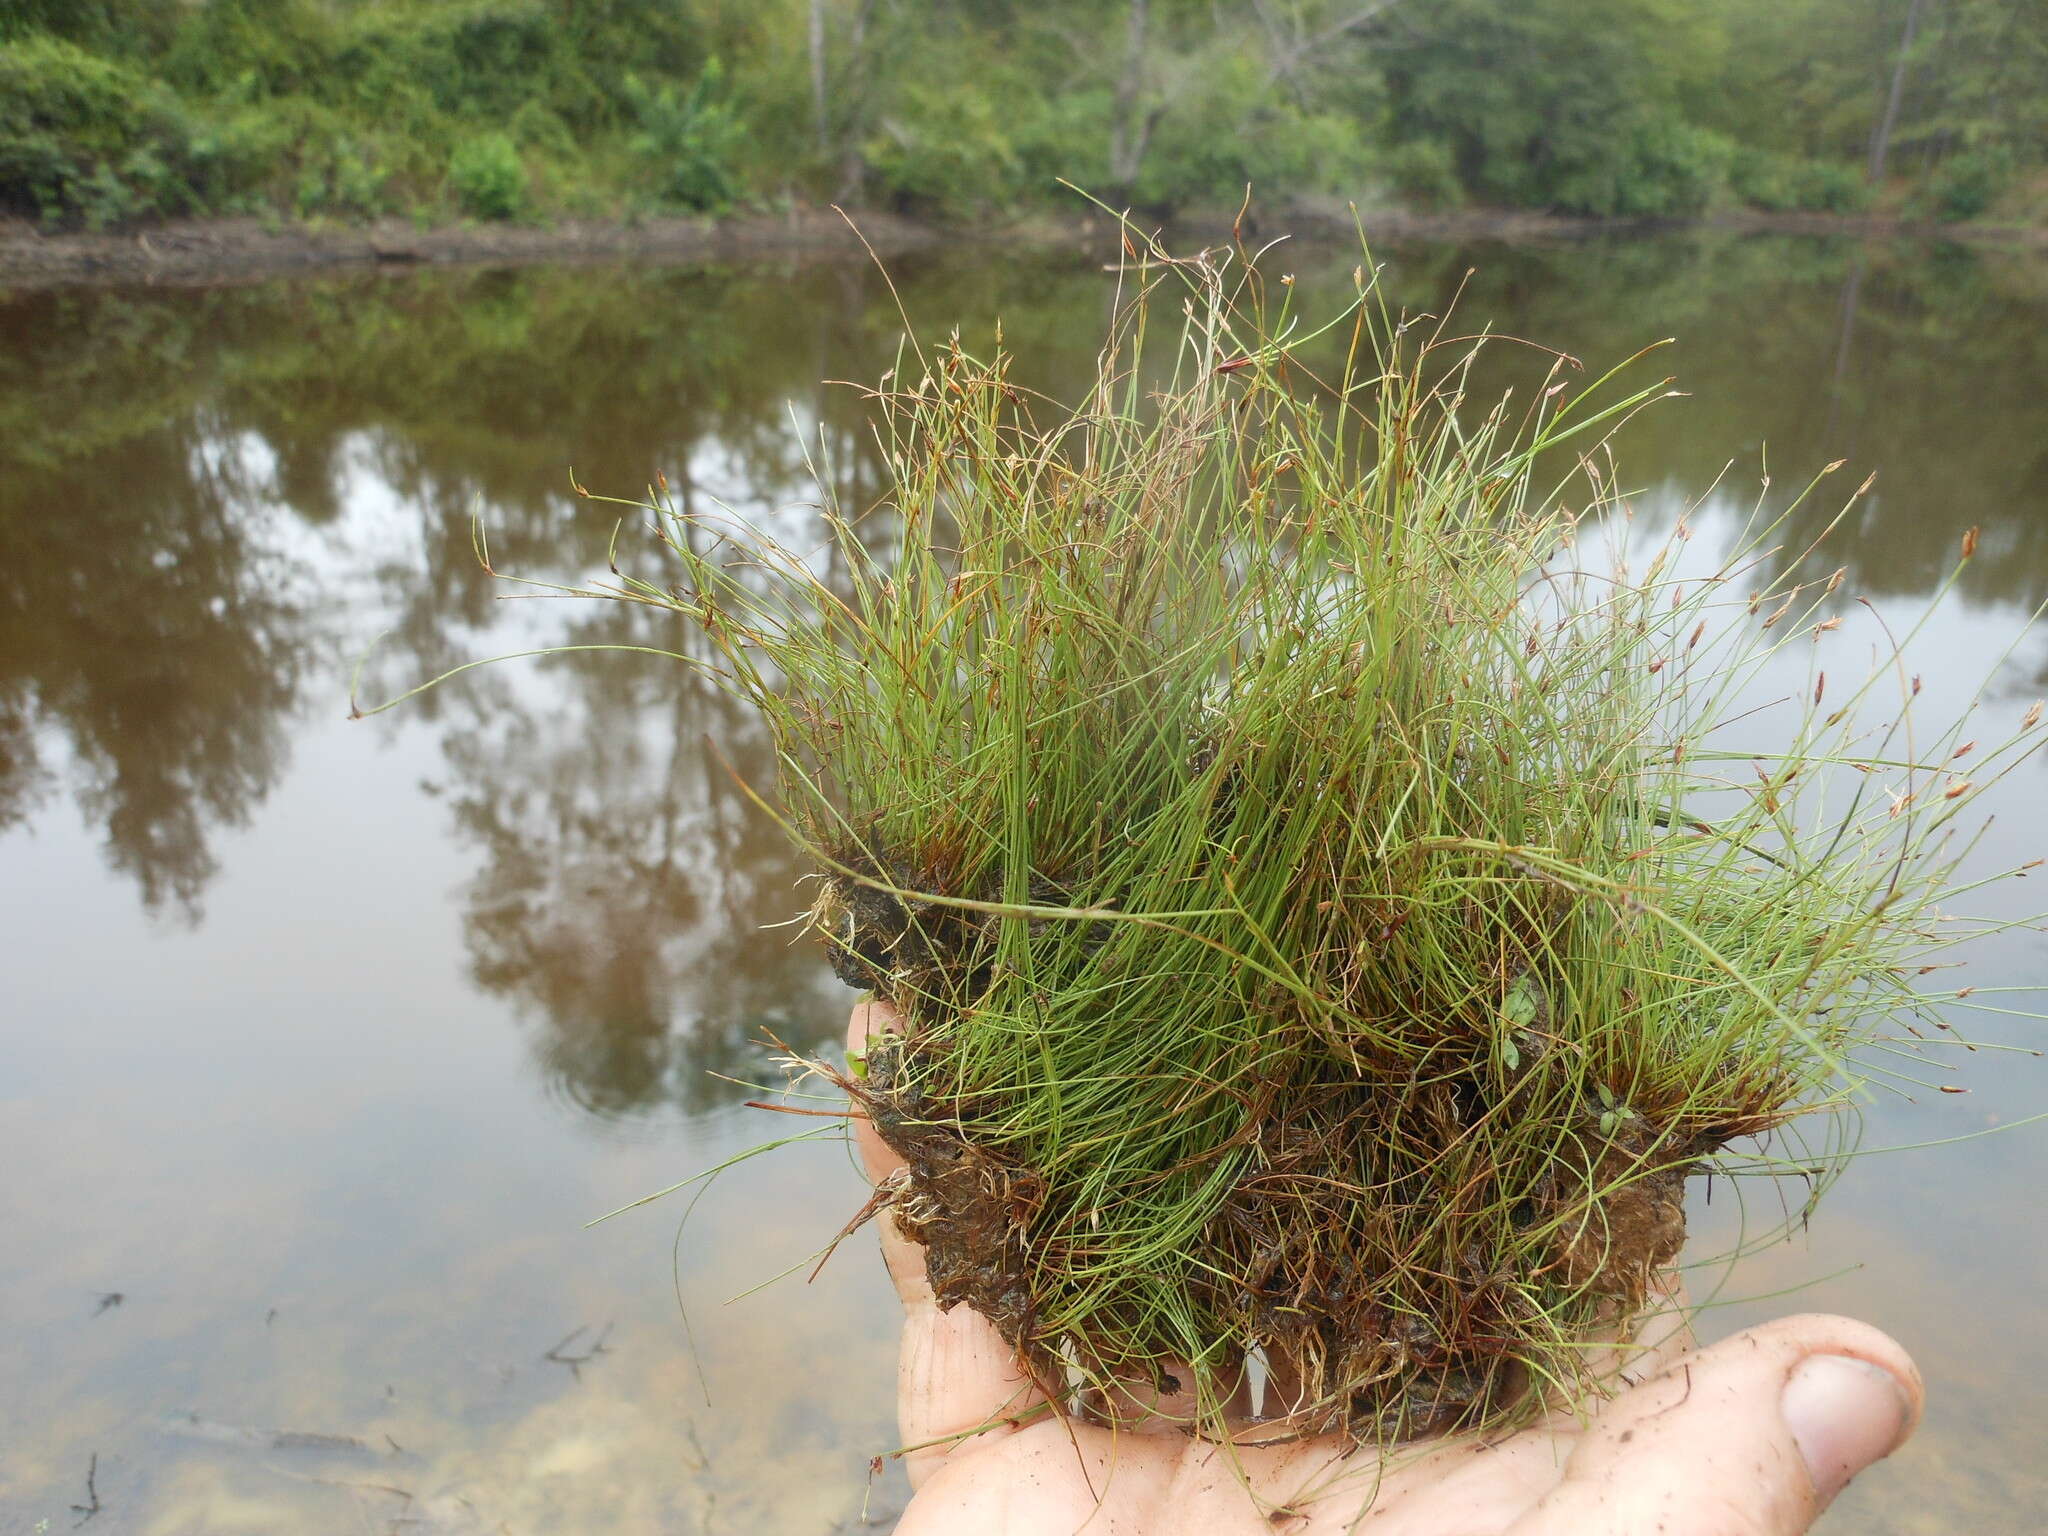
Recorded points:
(1330,919)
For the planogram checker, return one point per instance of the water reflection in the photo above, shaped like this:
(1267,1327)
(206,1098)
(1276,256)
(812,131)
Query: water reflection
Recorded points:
(148,645)
(154,635)
(1922,365)
(164,459)
(625,881)
(211,503)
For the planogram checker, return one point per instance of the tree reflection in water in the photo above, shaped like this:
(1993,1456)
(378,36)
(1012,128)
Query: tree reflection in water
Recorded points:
(626,881)
(151,641)
(211,499)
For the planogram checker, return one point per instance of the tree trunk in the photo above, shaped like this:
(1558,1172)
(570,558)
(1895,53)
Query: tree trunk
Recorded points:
(1881,139)
(818,102)
(1127,136)
(853,165)
(1838,383)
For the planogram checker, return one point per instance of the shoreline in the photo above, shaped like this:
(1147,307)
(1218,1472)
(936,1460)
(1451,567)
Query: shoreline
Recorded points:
(206,251)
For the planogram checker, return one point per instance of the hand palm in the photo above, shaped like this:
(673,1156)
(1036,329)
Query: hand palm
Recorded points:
(1752,1437)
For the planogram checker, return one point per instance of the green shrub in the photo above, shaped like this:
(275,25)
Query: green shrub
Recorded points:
(52,87)
(105,200)
(1759,178)
(488,177)
(130,27)
(252,49)
(478,63)
(230,157)
(1966,184)
(1827,187)
(342,178)
(537,126)
(307,158)
(1424,173)
(1226,128)
(943,147)
(685,141)
(1055,134)
(83,136)
(1660,168)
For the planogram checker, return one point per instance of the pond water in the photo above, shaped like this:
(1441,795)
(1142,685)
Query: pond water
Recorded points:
(321,1041)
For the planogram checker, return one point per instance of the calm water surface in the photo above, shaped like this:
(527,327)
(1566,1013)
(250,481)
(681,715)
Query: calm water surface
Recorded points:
(320,1041)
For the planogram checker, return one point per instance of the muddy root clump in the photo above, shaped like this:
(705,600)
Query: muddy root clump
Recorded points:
(1373,1331)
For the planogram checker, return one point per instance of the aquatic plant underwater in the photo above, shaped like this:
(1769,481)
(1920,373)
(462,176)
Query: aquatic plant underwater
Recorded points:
(1332,910)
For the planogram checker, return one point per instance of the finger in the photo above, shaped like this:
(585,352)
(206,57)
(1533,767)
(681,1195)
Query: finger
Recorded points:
(1482,1482)
(957,1383)
(1168,1405)
(1752,1437)
(1663,1332)
(1655,1338)
(875,1155)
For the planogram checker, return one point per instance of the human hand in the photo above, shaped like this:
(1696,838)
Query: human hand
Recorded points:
(1753,1436)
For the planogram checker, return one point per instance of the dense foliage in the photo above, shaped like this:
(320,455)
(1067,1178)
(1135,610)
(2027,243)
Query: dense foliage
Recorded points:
(114,110)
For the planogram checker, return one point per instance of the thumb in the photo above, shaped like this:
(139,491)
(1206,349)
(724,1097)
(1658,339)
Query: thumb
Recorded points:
(954,1375)
(1752,1437)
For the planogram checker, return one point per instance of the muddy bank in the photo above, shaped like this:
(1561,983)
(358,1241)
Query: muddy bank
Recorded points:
(212,250)
(1331,217)
(226,250)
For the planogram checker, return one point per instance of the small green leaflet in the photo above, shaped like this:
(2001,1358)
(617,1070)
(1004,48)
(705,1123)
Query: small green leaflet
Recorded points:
(1612,1112)
(1519,1006)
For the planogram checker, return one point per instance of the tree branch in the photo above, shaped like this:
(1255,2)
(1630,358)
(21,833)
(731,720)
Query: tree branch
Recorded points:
(1881,139)
(1330,34)
(1289,58)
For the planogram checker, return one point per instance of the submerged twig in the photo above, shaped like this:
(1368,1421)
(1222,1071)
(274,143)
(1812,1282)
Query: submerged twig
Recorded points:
(577,1362)
(92,1505)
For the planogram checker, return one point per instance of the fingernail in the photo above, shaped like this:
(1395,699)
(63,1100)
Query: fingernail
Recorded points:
(1844,1414)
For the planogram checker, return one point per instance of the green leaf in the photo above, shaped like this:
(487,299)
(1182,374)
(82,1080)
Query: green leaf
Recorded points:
(1519,1006)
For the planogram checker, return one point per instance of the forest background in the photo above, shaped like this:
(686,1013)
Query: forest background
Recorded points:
(118,112)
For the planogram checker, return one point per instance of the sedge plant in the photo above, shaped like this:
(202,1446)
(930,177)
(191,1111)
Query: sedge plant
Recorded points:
(1329,916)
